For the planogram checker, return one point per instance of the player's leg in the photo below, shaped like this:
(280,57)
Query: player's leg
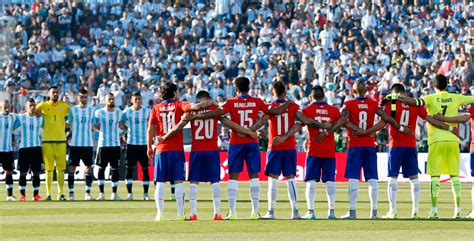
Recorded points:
(144,163)
(114,155)
(273,169)
(74,158)
(161,176)
(453,160)
(196,160)
(177,163)
(101,163)
(193,197)
(87,160)
(252,159)
(435,159)
(395,159)
(328,177)
(411,170)
(313,174)
(236,163)
(36,164)
(130,163)
(289,171)
(48,159)
(370,173)
(214,177)
(60,158)
(353,167)
(23,167)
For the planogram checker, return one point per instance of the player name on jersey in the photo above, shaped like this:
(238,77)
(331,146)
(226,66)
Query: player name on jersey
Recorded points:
(245,105)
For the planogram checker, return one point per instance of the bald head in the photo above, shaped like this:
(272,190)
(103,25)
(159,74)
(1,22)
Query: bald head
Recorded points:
(358,88)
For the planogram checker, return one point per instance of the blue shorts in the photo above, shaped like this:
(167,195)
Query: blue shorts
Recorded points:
(404,157)
(204,166)
(250,152)
(472,164)
(281,162)
(319,168)
(169,166)
(361,158)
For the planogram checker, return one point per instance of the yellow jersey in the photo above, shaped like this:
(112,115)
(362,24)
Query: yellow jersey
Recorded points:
(54,116)
(447,104)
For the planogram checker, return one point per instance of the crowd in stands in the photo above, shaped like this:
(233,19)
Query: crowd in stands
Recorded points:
(122,46)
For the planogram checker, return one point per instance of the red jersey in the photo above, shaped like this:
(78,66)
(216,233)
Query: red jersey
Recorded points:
(165,116)
(204,133)
(405,115)
(471,111)
(280,124)
(244,111)
(321,112)
(362,114)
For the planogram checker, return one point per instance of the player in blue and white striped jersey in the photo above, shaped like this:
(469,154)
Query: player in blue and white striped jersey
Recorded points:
(107,123)
(136,119)
(82,144)
(8,121)
(30,154)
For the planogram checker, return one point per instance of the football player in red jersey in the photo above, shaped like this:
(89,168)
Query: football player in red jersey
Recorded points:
(205,165)
(169,155)
(281,154)
(362,154)
(243,110)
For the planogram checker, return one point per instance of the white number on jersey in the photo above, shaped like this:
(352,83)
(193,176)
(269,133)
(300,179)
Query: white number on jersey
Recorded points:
(282,118)
(404,118)
(207,125)
(363,120)
(322,119)
(245,120)
(168,121)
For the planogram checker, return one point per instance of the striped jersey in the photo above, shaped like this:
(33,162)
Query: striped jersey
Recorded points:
(30,130)
(137,123)
(109,134)
(80,123)
(7,124)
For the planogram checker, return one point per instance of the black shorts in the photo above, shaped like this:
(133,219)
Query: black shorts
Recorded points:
(136,153)
(6,159)
(106,155)
(78,153)
(30,158)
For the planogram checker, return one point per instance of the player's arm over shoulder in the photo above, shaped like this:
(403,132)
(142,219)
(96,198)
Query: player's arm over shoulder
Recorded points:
(465,99)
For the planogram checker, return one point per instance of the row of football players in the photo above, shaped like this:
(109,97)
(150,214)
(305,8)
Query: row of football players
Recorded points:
(284,119)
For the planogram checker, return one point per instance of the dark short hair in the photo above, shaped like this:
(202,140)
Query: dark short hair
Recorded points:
(398,88)
(168,90)
(242,83)
(83,91)
(31,100)
(53,87)
(440,82)
(136,94)
(317,92)
(279,88)
(203,95)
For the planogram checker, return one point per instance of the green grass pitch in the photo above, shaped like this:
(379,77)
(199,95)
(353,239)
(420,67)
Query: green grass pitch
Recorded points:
(133,220)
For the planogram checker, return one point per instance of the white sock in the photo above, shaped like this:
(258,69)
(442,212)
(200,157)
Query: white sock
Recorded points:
(292,193)
(415,194)
(193,194)
(272,192)
(160,197)
(331,194)
(179,193)
(353,193)
(373,193)
(310,194)
(232,189)
(255,194)
(216,197)
(392,189)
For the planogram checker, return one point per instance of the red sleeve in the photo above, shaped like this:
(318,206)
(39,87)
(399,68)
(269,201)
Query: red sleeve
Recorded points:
(185,106)
(226,106)
(263,107)
(471,111)
(153,116)
(422,112)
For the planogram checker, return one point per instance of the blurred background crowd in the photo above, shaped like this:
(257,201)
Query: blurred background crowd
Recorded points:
(121,46)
